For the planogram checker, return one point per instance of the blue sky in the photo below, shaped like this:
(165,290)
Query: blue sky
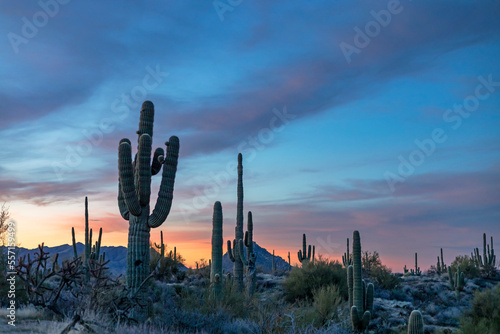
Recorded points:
(329,137)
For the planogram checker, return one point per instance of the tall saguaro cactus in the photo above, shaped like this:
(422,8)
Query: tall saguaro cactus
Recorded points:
(238,231)
(217,242)
(134,190)
(362,308)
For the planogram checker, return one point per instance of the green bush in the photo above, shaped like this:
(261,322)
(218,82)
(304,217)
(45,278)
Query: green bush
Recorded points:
(484,315)
(302,282)
(383,278)
(466,266)
(327,299)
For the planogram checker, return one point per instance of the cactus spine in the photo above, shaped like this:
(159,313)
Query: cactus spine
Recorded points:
(303,255)
(134,190)
(251,258)
(362,308)
(238,230)
(217,242)
(416,323)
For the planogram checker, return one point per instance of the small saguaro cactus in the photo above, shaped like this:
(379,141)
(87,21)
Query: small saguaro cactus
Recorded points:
(417,268)
(134,191)
(488,260)
(304,256)
(251,258)
(362,308)
(458,283)
(274,264)
(289,264)
(238,230)
(347,258)
(217,242)
(416,323)
(91,252)
(161,246)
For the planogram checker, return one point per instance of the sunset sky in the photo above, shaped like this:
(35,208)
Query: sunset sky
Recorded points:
(381,117)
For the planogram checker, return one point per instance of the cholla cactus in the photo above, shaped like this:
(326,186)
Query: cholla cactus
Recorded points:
(362,309)
(238,230)
(134,190)
(416,323)
(304,257)
(217,242)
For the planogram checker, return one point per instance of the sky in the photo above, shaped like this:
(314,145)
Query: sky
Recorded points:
(381,117)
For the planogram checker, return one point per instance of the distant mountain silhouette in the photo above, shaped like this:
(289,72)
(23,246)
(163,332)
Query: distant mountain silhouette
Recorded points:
(264,260)
(118,257)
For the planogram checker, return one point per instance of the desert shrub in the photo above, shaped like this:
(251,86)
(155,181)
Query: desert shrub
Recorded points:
(326,301)
(484,315)
(467,266)
(370,261)
(383,277)
(302,282)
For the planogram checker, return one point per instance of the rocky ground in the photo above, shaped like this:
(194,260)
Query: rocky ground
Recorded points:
(431,294)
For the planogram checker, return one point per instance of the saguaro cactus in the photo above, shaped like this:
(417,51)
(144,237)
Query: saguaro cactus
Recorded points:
(416,323)
(238,230)
(161,246)
(251,258)
(417,268)
(217,241)
(347,258)
(289,264)
(134,190)
(362,308)
(304,256)
(91,252)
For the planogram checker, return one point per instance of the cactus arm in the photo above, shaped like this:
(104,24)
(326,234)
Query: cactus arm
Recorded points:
(165,194)
(75,254)
(98,245)
(369,298)
(230,251)
(127,177)
(156,164)
(146,119)
(299,255)
(121,203)
(241,253)
(304,246)
(144,158)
